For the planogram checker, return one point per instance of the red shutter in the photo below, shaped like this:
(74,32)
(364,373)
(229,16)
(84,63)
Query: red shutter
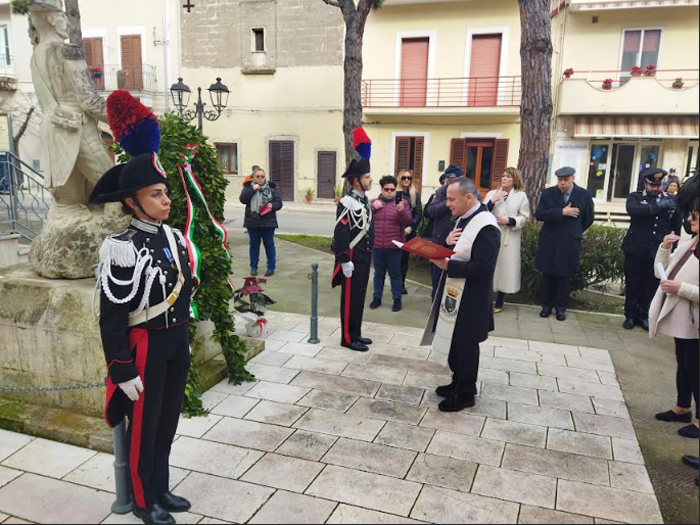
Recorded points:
(485,70)
(500,162)
(458,156)
(132,68)
(414,71)
(403,150)
(94,56)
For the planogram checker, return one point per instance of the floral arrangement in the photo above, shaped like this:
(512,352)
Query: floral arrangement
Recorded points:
(650,71)
(678,84)
(636,71)
(569,73)
(608,84)
(252,303)
(96,71)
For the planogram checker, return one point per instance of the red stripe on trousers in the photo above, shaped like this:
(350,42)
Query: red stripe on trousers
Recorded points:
(348,293)
(138,338)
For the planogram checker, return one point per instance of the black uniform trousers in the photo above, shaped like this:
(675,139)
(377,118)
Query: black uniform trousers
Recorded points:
(353,297)
(555,291)
(641,285)
(687,377)
(464,362)
(162,359)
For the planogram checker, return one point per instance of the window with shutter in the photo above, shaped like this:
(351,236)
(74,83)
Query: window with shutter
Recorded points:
(327,172)
(228,158)
(500,161)
(414,71)
(485,70)
(282,167)
(94,56)
(132,68)
(409,156)
(458,155)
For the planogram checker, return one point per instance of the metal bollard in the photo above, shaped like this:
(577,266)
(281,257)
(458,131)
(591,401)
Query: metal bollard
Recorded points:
(123,504)
(314,340)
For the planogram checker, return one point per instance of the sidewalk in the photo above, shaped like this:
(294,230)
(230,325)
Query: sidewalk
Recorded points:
(327,435)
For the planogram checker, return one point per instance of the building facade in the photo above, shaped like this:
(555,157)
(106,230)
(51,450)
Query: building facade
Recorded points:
(442,86)
(613,122)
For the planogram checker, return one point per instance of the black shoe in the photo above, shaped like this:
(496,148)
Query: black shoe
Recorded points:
(253,272)
(398,306)
(690,432)
(457,402)
(270,273)
(356,347)
(365,341)
(447,390)
(561,314)
(375,304)
(546,312)
(155,515)
(672,417)
(692,462)
(173,503)
(404,291)
(629,324)
(644,324)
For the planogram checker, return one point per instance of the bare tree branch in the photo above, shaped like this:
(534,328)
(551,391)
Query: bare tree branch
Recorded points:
(23,129)
(333,3)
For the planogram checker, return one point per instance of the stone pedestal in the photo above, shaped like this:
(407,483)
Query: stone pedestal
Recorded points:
(9,250)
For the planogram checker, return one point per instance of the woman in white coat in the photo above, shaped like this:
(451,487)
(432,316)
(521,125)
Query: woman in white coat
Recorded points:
(675,311)
(511,207)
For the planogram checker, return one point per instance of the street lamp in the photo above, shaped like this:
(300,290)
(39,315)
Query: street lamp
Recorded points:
(218,94)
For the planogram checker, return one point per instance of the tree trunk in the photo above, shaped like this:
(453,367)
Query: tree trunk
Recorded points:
(74,29)
(22,130)
(537,108)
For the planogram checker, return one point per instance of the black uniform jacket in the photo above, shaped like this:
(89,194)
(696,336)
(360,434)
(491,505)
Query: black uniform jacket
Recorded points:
(345,233)
(254,220)
(649,225)
(114,318)
(475,319)
(561,238)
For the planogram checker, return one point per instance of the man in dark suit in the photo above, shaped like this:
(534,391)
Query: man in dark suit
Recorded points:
(567,211)
(477,241)
(654,215)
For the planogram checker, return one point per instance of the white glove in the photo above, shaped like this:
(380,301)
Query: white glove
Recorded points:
(132,388)
(348,269)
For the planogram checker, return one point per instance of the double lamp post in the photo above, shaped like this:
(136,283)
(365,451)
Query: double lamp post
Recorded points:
(218,93)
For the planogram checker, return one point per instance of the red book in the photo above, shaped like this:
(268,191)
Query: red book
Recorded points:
(426,249)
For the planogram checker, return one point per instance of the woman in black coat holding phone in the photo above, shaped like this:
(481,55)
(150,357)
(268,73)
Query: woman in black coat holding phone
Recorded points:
(262,202)
(409,193)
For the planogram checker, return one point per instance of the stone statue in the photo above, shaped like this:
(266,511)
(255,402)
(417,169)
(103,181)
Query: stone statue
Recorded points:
(73,155)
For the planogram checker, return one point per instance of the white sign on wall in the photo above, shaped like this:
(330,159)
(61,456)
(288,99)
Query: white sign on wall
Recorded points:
(572,153)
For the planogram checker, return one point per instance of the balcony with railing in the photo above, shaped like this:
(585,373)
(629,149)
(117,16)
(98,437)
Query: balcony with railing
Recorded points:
(8,73)
(442,96)
(139,78)
(613,5)
(609,92)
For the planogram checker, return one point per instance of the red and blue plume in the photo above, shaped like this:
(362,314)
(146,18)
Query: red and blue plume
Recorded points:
(362,143)
(134,126)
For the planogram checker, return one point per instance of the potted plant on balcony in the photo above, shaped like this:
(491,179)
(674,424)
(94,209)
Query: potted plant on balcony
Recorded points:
(608,84)
(569,72)
(338,194)
(310,195)
(252,304)
(636,72)
(678,84)
(650,71)
(97,72)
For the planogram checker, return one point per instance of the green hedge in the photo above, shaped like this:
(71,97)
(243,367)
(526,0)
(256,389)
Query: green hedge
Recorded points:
(602,259)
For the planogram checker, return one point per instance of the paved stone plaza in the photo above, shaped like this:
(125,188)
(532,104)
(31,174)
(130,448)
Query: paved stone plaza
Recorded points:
(327,435)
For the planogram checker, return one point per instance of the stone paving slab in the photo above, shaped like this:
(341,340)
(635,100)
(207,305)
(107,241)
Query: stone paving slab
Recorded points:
(458,423)
(330,401)
(518,433)
(235,406)
(212,458)
(443,472)
(408,395)
(340,425)
(289,508)
(311,364)
(535,516)
(343,385)
(7,475)
(276,392)
(48,458)
(437,505)
(11,442)
(467,448)
(370,457)
(405,436)
(580,443)
(346,514)
(279,414)
(307,445)
(248,433)
(388,411)
(282,472)
(519,487)
(379,374)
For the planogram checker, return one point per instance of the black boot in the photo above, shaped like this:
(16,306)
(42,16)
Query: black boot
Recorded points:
(398,306)
(692,461)
(644,324)
(546,312)
(356,347)
(270,273)
(629,323)
(375,304)
(447,390)
(459,401)
(173,503)
(365,341)
(253,272)
(561,314)
(155,515)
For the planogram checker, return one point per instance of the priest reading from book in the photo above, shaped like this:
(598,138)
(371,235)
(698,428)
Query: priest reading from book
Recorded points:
(462,315)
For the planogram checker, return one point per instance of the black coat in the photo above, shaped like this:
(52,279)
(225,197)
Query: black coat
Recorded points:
(253,220)
(440,216)
(650,224)
(475,319)
(561,238)
(416,212)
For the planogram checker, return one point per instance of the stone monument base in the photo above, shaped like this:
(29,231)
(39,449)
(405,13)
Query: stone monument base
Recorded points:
(50,337)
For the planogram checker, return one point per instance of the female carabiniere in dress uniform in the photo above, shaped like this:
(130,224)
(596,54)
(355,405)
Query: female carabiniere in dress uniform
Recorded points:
(146,287)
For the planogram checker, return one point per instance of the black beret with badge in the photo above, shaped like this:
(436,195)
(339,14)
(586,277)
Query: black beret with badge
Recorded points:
(654,176)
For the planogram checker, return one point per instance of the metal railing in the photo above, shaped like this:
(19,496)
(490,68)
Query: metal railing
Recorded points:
(465,92)
(7,66)
(620,78)
(24,201)
(110,77)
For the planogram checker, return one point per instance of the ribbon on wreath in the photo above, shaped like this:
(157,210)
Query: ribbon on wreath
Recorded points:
(187,177)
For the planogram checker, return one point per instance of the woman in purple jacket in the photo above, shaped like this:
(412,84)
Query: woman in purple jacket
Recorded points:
(390,223)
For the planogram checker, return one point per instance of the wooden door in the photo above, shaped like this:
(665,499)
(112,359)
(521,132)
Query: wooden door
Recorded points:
(327,173)
(94,56)
(485,70)
(414,71)
(483,161)
(409,156)
(282,167)
(132,63)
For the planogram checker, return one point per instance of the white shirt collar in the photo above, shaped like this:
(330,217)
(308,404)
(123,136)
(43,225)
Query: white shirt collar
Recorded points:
(471,212)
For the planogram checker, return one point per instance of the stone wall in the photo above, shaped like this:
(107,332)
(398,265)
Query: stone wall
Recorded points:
(216,34)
